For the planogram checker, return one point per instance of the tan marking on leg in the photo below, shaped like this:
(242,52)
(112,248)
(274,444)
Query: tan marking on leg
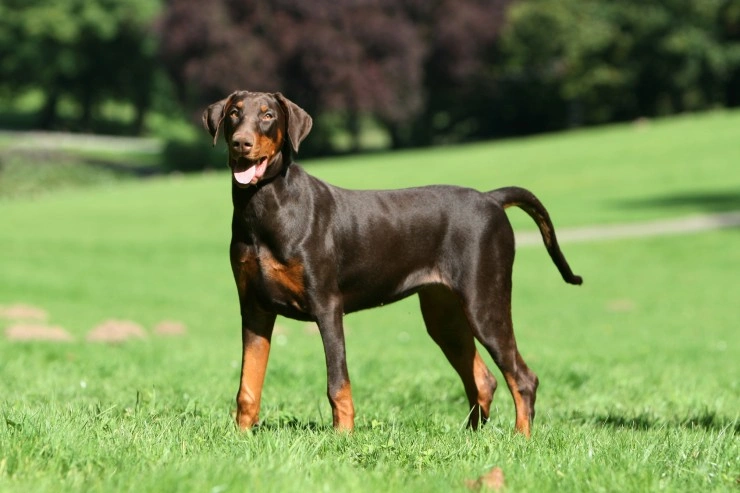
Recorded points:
(343,410)
(485,383)
(522,414)
(448,326)
(254,367)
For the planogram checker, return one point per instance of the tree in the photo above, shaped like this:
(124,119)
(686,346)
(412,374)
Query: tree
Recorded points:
(407,63)
(341,57)
(461,39)
(585,62)
(87,49)
(729,20)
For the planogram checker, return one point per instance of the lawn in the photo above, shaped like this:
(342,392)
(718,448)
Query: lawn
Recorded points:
(608,174)
(638,367)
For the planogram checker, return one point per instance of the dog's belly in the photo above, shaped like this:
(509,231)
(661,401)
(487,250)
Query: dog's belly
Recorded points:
(374,290)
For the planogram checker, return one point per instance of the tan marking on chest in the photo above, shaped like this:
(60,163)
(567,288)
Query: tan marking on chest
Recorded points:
(288,275)
(245,267)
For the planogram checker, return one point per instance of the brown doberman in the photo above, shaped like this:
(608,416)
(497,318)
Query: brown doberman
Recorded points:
(307,250)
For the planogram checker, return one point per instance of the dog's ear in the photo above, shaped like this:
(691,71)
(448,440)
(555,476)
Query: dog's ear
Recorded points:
(299,122)
(213,117)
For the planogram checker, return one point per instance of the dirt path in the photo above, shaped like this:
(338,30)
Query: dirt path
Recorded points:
(683,225)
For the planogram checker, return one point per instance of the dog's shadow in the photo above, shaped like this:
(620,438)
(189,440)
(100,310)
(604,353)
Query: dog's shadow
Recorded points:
(287,422)
(709,201)
(642,421)
(705,419)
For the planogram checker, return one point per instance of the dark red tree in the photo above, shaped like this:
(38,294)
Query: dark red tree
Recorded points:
(399,61)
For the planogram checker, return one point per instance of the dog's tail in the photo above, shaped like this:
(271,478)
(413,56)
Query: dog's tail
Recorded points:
(525,200)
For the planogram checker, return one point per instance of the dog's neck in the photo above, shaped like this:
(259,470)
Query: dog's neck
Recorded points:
(255,206)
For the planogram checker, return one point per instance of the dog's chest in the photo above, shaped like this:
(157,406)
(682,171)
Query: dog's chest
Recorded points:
(279,283)
(284,278)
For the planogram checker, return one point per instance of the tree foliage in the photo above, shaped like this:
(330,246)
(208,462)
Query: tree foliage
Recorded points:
(89,50)
(426,71)
(597,61)
(387,58)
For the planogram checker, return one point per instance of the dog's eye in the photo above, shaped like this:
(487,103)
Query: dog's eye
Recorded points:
(234,113)
(268,115)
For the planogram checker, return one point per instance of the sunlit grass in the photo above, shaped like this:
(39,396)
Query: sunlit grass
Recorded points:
(638,367)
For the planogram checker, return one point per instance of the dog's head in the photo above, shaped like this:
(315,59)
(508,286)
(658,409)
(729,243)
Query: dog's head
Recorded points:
(259,128)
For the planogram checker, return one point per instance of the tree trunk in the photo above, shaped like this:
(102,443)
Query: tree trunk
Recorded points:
(142,106)
(353,127)
(48,114)
(87,111)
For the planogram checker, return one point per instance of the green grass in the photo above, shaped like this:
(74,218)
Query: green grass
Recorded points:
(34,164)
(30,177)
(608,174)
(638,367)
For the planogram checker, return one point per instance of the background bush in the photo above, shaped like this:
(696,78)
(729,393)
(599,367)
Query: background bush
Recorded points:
(420,73)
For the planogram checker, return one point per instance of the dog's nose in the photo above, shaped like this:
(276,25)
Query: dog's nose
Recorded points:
(241,143)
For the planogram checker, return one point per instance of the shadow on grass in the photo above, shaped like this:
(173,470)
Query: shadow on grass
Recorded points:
(706,201)
(125,169)
(176,156)
(706,420)
(287,422)
(132,158)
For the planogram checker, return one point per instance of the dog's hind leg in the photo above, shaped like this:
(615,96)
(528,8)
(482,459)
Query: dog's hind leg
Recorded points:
(488,309)
(448,327)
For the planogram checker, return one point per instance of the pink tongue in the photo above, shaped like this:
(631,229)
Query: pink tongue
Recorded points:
(245,177)
(251,174)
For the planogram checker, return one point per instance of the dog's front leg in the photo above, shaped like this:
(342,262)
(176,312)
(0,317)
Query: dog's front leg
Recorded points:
(338,386)
(257,328)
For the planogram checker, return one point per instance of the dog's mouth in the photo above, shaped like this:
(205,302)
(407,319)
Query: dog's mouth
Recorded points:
(248,171)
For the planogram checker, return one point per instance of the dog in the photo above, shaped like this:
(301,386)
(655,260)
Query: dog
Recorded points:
(310,251)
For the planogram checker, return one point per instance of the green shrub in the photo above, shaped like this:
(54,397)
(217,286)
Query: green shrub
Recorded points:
(190,156)
(36,173)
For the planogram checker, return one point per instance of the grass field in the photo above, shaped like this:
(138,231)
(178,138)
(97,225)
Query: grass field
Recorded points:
(638,368)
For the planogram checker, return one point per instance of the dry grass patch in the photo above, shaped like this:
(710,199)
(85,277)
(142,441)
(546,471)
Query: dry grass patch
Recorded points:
(116,331)
(22,311)
(170,328)
(37,332)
